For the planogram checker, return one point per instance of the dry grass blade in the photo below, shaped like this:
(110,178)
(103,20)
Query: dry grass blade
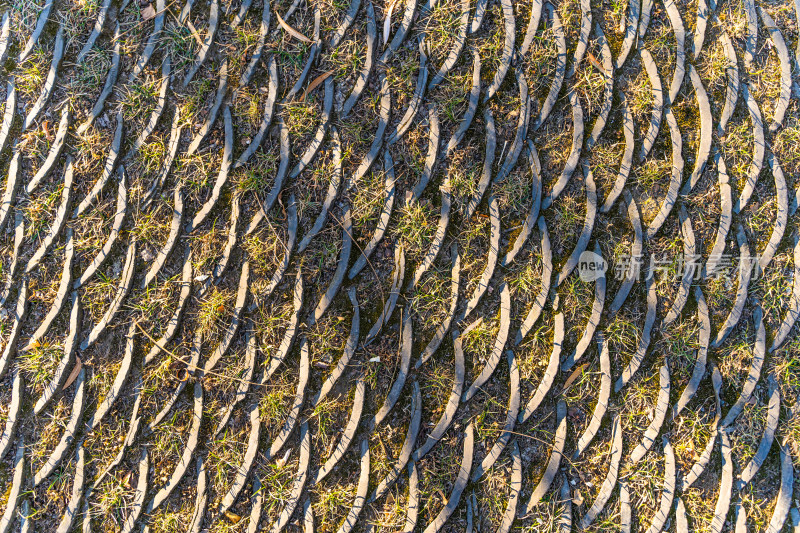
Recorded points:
(291,31)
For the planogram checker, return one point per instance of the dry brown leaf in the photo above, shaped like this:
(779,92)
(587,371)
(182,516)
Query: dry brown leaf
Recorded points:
(593,60)
(233,517)
(280,463)
(572,377)
(74,374)
(195,34)
(291,31)
(387,22)
(149,12)
(316,83)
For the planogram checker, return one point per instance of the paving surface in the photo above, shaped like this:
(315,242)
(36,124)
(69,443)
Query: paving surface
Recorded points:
(402,266)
